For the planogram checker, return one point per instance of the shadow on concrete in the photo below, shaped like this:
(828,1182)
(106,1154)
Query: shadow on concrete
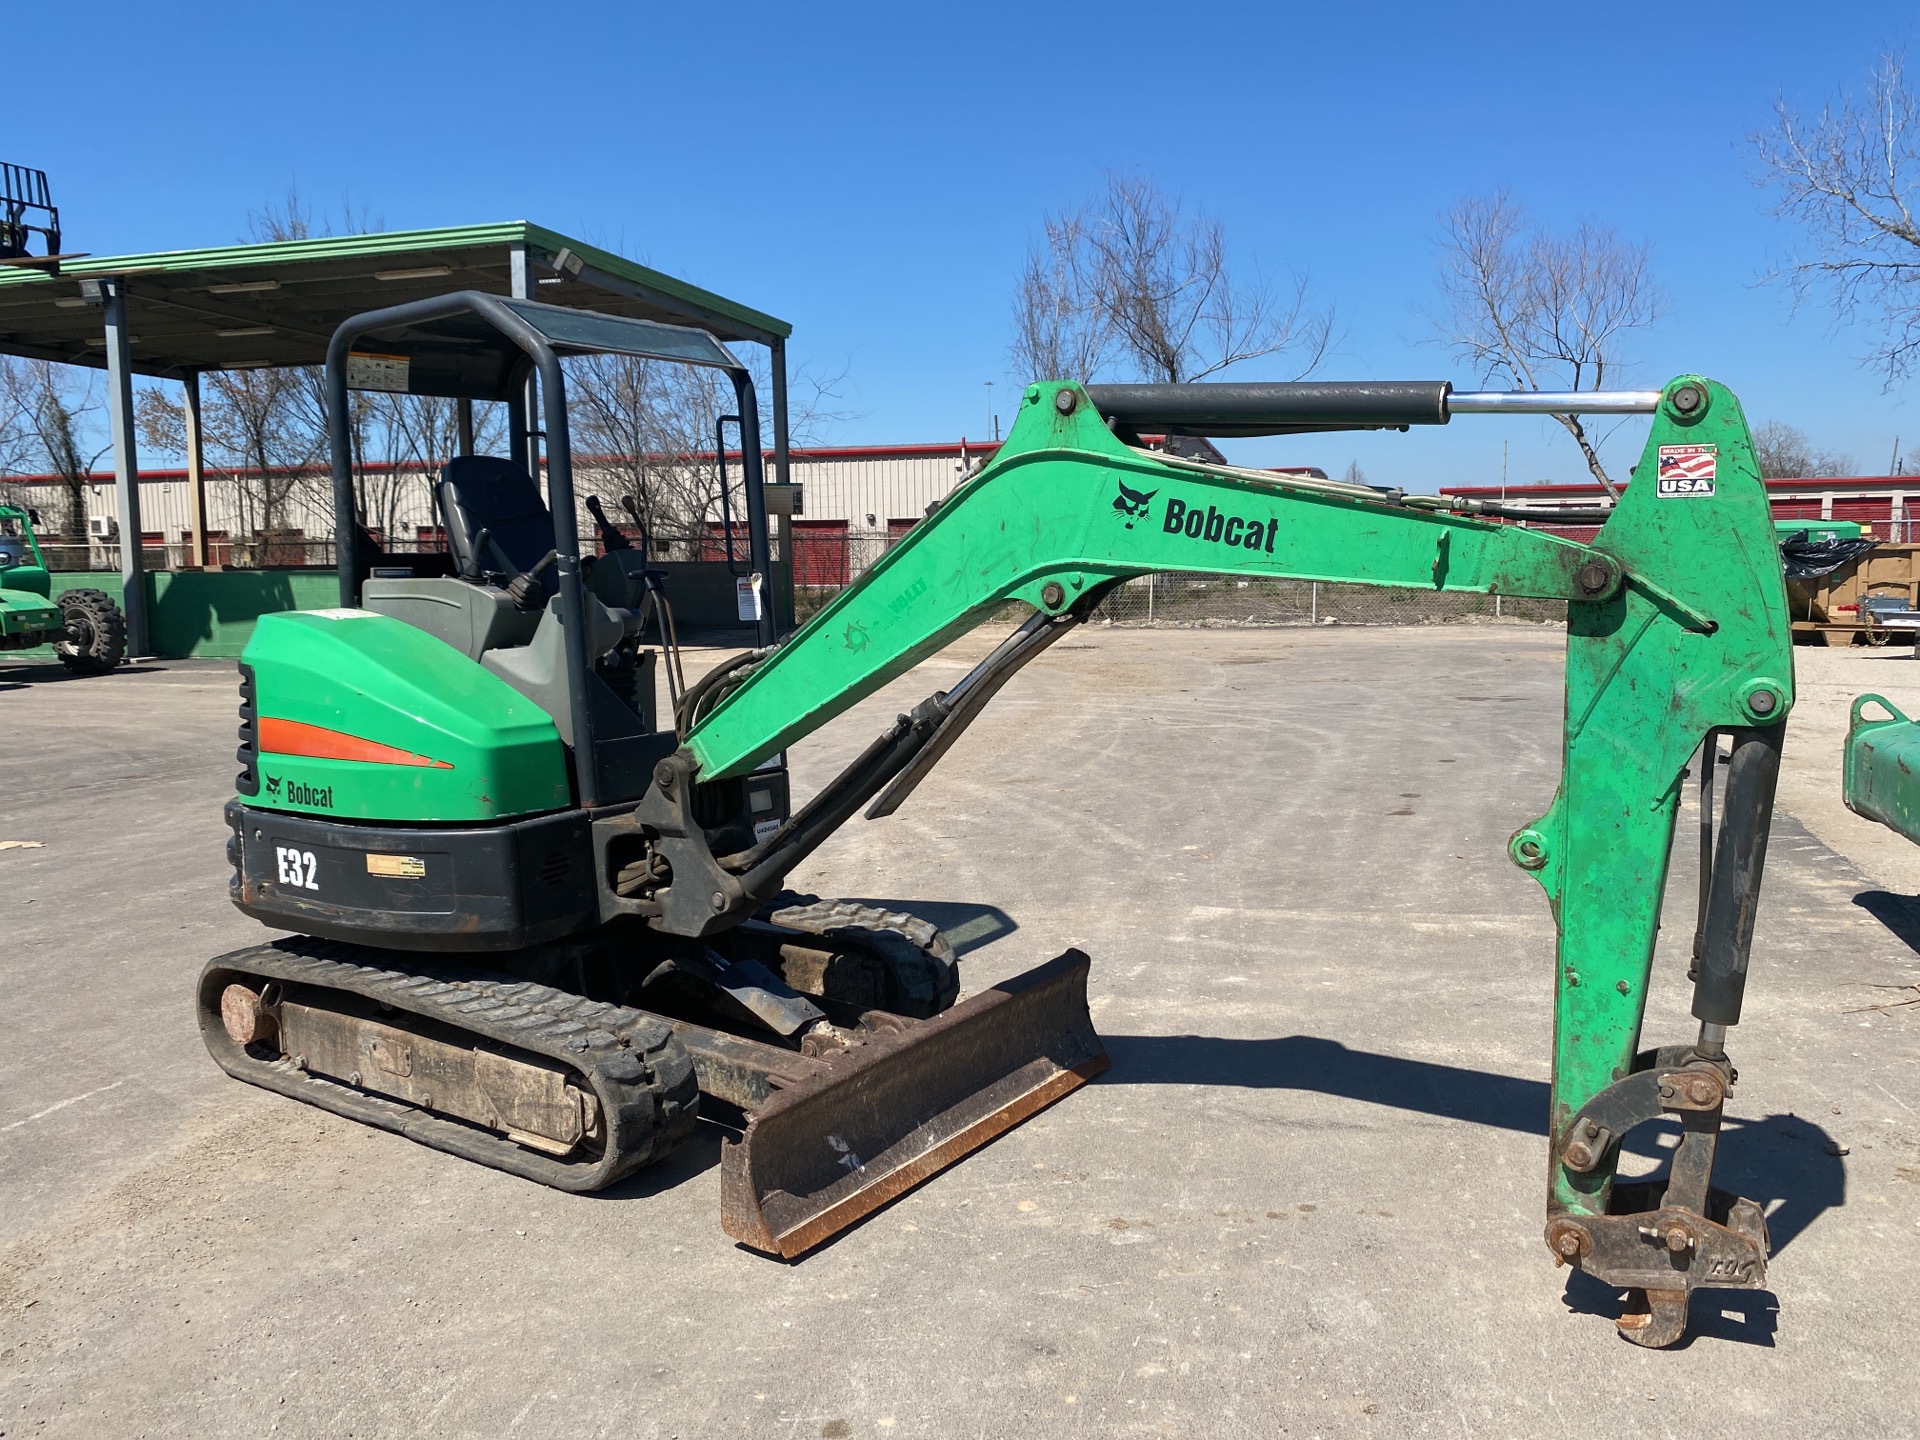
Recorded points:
(1746,1317)
(695,1155)
(1782,1162)
(1308,1062)
(1899,913)
(52,672)
(968,926)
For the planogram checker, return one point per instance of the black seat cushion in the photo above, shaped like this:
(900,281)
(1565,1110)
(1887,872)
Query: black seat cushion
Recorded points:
(484,492)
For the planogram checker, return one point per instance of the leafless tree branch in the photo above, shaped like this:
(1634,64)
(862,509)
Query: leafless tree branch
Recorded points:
(1132,280)
(1785,453)
(1848,179)
(1540,310)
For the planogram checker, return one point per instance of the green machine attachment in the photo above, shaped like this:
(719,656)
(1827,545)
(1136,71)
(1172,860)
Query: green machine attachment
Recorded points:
(84,626)
(1877,777)
(541,926)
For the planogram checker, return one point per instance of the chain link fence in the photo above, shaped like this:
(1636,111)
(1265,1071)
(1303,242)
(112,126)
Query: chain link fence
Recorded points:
(1177,599)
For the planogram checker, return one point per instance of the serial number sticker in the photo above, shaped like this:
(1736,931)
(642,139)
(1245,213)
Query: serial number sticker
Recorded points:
(763,828)
(398,867)
(1686,470)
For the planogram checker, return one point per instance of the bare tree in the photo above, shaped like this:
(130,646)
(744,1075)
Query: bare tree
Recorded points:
(16,432)
(1059,329)
(256,425)
(647,430)
(43,406)
(1785,453)
(266,428)
(1131,278)
(1850,178)
(1541,310)
(402,441)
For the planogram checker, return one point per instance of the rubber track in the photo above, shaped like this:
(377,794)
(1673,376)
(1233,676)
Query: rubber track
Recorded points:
(643,1078)
(931,985)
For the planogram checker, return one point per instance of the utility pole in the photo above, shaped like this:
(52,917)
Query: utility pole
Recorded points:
(993,424)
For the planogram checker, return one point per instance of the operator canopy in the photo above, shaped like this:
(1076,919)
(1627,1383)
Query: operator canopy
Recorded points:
(466,353)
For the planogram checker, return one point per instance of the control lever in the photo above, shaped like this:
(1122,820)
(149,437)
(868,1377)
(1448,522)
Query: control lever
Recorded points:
(525,589)
(610,537)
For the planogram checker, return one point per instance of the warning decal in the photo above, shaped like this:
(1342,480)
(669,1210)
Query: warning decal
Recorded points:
(377,372)
(1686,470)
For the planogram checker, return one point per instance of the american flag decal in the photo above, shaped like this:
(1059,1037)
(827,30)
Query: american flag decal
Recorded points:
(1686,470)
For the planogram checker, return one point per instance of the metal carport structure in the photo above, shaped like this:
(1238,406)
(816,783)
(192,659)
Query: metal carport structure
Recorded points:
(173,314)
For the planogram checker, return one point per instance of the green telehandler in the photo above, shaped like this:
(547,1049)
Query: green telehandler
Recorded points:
(539,926)
(84,626)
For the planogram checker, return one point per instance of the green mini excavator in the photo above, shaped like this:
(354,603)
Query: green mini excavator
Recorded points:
(540,926)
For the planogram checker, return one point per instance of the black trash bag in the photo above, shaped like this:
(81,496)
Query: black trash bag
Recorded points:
(1809,559)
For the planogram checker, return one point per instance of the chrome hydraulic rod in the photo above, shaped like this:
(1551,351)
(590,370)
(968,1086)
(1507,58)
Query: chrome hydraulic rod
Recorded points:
(1553,402)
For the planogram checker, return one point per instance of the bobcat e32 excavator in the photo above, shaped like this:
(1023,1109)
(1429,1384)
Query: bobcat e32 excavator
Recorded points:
(541,927)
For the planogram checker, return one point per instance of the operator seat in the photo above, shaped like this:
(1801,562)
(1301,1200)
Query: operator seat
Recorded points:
(485,493)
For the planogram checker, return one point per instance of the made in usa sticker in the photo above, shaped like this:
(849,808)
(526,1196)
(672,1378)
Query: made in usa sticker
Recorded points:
(1686,470)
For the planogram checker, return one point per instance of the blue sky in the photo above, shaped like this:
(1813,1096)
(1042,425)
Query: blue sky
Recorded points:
(874,174)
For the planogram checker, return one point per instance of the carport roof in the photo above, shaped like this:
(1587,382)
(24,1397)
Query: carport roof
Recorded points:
(244,306)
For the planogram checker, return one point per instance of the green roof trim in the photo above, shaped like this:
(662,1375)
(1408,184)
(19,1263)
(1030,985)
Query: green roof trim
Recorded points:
(542,244)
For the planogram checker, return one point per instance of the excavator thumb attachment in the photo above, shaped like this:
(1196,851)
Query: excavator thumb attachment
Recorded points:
(835,1145)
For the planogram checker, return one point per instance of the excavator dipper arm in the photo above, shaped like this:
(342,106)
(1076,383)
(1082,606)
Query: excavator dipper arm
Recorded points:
(1677,633)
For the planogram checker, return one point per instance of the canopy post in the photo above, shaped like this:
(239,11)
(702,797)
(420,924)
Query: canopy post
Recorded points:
(782,475)
(196,474)
(463,410)
(126,467)
(520,286)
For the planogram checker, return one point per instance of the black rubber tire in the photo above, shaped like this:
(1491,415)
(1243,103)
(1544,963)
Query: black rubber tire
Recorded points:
(95,638)
(923,973)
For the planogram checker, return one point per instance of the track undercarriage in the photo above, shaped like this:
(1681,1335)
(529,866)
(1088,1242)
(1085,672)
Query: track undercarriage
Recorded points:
(828,1034)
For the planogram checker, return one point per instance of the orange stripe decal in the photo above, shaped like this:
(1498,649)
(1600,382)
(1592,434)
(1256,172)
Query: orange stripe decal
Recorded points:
(316,742)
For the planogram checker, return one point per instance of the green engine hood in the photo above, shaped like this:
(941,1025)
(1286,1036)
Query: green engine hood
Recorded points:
(358,716)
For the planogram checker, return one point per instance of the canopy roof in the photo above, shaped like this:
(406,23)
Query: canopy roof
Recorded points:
(463,344)
(245,306)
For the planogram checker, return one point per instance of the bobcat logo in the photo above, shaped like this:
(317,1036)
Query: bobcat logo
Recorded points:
(1132,503)
(273,784)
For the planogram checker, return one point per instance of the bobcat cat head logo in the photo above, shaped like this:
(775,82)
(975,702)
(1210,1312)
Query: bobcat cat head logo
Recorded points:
(273,784)
(1132,503)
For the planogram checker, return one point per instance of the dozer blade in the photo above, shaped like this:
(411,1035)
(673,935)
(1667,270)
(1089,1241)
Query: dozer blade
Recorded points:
(899,1108)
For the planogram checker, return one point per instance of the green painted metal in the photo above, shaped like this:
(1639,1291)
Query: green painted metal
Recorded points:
(1053,509)
(1646,683)
(1878,772)
(388,245)
(1819,530)
(26,589)
(373,678)
(208,614)
(1695,639)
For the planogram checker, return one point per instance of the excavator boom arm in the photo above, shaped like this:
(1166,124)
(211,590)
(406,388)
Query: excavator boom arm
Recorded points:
(1677,631)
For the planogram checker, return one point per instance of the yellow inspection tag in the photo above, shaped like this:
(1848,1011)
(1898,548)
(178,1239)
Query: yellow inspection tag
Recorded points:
(400,867)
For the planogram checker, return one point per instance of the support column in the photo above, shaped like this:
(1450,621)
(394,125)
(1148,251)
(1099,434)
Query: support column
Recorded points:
(126,468)
(782,604)
(520,285)
(463,409)
(196,474)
